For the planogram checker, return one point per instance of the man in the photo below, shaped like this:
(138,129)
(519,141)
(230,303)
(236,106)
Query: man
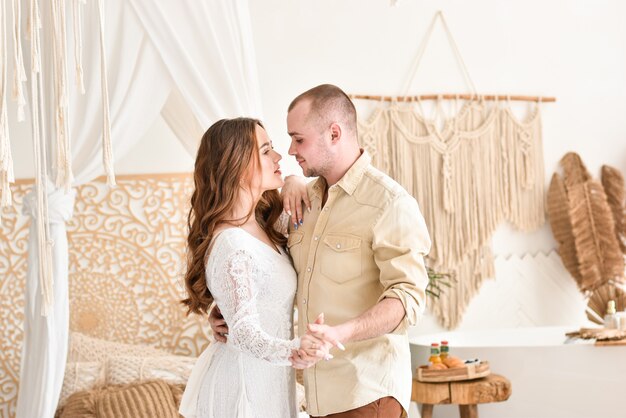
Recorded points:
(359,255)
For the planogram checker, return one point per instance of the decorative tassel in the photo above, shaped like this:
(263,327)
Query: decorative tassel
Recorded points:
(42,221)
(78,43)
(64,175)
(525,141)
(19,73)
(6,161)
(448,204)
(107,148)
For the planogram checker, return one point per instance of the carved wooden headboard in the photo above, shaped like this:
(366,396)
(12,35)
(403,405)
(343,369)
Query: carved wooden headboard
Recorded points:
(126,264)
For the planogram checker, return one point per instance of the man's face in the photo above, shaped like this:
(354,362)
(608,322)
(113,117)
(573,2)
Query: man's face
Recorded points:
(310,143)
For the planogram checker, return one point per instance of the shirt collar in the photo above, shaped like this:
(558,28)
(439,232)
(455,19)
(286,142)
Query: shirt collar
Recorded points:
(353,176)
(350,180)
(318,188)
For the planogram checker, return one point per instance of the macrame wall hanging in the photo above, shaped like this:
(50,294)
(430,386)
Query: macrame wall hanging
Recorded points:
(482,167)
(55,33)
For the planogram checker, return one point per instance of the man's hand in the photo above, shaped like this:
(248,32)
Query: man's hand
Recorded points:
(330,335)
(218,324)
(294,193)
(311,350)
(315,348)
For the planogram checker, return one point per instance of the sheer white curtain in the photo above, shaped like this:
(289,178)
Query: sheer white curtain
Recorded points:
(208,50)
(192,60)
(138,88)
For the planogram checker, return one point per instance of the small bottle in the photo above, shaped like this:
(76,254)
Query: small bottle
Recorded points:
(609,318)
(620,320)
(434,354)
(445,350)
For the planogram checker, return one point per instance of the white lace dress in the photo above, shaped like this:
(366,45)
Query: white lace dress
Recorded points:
(250,375)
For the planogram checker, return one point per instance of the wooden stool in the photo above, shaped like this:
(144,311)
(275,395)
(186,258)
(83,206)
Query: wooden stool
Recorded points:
(467,394)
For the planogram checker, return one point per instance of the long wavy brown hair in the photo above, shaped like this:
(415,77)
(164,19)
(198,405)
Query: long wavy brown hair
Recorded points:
(228,158)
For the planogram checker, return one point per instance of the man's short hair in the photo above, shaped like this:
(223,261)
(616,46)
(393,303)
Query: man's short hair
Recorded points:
(329,102)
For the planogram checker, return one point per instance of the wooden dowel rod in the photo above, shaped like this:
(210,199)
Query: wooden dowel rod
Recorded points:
(499,97)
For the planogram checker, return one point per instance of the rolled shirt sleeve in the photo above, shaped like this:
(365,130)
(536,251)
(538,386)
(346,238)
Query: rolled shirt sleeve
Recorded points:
(400,243)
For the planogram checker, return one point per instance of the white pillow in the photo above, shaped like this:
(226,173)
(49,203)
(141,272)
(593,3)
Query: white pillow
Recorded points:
(81,375)
(85,348)
(127,369)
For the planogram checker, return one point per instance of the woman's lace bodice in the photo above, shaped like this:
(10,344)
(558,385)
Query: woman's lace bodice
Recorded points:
(254,287)
(247,292)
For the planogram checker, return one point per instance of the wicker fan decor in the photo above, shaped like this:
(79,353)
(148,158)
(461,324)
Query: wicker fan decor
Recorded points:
(613,183)
(600,298)
(583,221)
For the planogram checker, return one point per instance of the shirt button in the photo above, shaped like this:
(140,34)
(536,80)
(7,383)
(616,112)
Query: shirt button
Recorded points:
(338,245)
(326,208)
(304,301)
(316,238)
(308,269)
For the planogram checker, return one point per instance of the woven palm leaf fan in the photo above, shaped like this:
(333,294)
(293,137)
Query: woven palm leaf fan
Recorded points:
(586,234)
(599,256)
(558,215)
(613,183)
(600,298)
(574,170)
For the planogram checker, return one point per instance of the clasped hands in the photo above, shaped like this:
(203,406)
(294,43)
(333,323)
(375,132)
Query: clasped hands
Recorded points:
(315,344)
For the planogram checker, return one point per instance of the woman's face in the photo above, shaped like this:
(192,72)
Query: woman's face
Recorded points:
(270,175)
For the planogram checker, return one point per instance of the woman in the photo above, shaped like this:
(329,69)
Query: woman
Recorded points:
(236,258)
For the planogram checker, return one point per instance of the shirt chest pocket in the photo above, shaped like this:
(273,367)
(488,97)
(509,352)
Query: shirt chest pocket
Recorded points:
(340,258)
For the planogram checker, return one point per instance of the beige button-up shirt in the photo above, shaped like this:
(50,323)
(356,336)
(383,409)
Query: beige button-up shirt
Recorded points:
(366,243)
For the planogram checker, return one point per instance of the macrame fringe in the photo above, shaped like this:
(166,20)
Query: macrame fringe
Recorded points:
(107,149)
(64,175)
(6,161)
(78,43)
(19,73)
(41,217)
(484,167)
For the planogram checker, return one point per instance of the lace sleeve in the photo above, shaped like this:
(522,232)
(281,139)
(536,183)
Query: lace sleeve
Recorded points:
(282,223)
(238,290)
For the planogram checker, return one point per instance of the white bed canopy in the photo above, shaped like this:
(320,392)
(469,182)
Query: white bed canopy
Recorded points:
(192,62)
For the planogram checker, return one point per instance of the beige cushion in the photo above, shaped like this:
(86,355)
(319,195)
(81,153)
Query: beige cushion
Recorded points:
(85,348)
(88,362)
(152,399)
(81,375)
(172,369)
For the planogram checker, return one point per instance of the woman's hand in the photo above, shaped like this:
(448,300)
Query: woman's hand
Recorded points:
(310,352)
(218,324)
(315,348)
(312,348)
(294,193)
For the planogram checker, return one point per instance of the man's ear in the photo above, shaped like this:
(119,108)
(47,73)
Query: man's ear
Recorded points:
(335,132)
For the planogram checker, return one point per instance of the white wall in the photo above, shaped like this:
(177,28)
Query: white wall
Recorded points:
(574,50)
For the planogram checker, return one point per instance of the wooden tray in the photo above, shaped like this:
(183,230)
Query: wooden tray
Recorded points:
(471,371)
(611,342)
